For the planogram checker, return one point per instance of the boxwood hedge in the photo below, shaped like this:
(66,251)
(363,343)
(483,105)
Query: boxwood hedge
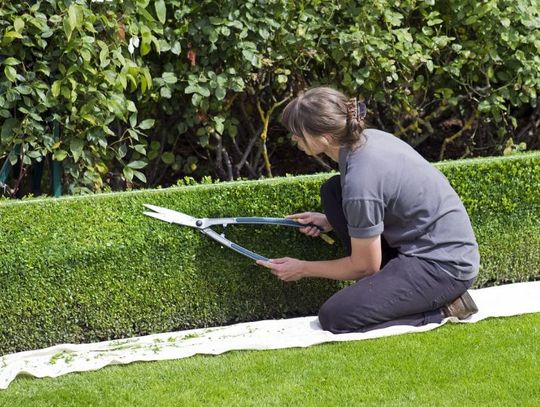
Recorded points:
(90,268)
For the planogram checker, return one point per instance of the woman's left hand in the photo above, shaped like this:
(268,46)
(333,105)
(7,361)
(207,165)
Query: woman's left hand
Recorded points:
(285,268)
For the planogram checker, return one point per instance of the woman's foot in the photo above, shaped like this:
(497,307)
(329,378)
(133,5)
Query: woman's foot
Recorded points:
(461,308)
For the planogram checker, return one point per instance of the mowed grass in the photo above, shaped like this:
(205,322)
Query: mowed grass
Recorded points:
(494,362)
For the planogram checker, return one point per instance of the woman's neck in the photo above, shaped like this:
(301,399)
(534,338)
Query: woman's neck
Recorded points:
(332,151)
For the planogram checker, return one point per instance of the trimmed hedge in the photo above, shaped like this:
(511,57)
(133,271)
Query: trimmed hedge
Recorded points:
(92,268)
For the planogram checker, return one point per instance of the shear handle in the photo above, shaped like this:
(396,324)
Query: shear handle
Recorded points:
(257,221)
(237,248)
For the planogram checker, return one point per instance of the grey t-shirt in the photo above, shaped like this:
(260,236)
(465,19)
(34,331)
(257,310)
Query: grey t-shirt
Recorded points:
(390,189)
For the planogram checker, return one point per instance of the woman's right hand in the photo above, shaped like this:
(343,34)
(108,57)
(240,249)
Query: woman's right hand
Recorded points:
(316,218)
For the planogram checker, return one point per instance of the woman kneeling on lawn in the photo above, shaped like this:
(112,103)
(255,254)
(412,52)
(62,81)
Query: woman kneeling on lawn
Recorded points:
(407,236)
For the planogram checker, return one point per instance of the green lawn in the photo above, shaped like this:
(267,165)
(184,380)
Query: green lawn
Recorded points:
(493,362)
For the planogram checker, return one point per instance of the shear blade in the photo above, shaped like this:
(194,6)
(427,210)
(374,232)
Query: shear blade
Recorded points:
(159,216)
(168,215)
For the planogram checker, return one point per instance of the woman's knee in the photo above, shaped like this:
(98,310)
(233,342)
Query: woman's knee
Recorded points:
(333,319)
(327,318)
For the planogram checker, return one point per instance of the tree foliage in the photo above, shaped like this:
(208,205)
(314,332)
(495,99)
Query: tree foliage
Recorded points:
(147,92)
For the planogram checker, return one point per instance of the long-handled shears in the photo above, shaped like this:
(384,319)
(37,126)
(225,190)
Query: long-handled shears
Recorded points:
(204,226)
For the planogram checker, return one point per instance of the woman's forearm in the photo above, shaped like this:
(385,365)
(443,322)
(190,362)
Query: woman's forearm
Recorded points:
(339,269)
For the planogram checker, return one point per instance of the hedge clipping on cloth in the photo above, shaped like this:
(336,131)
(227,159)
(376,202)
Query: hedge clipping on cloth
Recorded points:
(94,268)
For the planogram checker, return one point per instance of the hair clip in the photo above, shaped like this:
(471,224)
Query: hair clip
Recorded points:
(361,110)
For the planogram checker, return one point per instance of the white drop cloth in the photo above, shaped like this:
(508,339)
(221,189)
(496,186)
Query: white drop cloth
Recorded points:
(507,300)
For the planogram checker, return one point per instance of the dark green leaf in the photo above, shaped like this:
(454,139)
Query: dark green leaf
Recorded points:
(145,48)
(219,124)
(10,73)
(133,133)
(18,24)
(203,91)
(11,61)
(76,146)
(191,89)
(140,148)
(196,99)
(75,16)
(60,155)
(13,158)
(131,107)
(165,93)
(10,35)
(24,90)
(133,120)
(220,93)
(68,28)
(56,87)
(140,176)
(161,11)
(34,154)
(168,158)
(146,124)
(176,48)
(169,77)
(104,57)
(122,151)
(8,126)
(128,174)
(137,165)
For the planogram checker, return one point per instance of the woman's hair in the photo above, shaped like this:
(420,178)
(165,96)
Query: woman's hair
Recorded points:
(325,110)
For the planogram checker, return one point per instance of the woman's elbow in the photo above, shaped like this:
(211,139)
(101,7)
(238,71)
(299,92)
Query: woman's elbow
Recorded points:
(365,270)
(370,271)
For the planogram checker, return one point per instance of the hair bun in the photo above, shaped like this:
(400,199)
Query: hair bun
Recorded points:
(352,111)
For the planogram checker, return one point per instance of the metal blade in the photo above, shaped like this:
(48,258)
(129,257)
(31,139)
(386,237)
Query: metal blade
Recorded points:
(168,215)
(159,216)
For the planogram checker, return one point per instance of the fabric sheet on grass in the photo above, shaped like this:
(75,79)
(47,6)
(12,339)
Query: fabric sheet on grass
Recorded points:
(501,301)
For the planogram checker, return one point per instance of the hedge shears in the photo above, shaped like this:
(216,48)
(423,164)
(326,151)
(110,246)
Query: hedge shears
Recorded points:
(204,225)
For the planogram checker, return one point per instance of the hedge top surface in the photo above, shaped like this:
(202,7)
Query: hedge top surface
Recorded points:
(269,181)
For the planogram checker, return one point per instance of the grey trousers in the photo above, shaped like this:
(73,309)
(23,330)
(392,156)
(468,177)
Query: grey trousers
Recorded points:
(405,291)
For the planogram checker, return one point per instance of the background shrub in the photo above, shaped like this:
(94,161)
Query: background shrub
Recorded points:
(92,268)
(146,93)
